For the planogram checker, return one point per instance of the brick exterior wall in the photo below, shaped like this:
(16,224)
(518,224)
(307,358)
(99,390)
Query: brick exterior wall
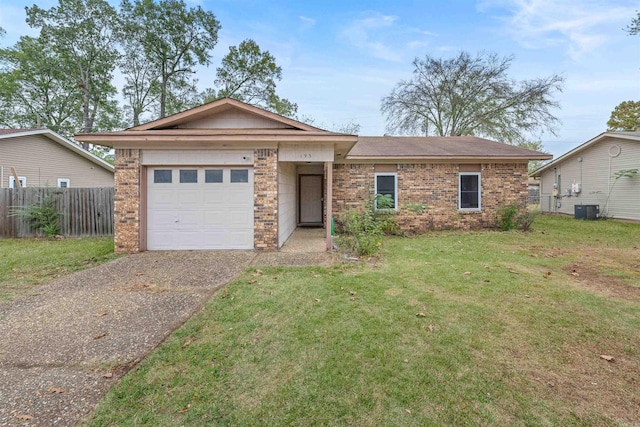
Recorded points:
(127,200)
(435,186)
(265,193)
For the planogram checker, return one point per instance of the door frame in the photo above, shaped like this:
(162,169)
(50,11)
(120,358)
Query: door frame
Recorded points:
(311,224)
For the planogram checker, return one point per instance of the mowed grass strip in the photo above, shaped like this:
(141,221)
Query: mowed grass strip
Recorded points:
(25,263)
(451,328)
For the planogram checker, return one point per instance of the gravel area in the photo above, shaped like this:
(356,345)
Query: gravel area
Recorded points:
(64,347)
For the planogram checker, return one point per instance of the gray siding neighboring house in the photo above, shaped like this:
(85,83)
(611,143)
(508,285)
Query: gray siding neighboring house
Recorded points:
(42,158)
(586,176)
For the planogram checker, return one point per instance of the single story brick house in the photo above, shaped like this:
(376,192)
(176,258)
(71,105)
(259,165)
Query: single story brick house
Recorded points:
(228,175)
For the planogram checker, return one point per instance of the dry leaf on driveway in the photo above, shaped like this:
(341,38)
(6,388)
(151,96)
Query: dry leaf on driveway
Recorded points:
(24,417)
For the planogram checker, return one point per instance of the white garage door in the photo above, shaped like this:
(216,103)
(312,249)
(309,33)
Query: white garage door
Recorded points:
(199,208)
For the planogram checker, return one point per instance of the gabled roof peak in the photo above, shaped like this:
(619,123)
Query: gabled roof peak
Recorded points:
(217,107)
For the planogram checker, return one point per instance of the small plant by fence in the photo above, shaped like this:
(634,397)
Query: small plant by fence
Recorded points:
(85,212)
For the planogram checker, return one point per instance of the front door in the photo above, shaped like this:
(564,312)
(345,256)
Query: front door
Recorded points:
(311,199)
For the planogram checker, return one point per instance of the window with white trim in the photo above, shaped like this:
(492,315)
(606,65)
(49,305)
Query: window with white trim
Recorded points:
(387,184)
(469,191)
(64,183)
(12,181)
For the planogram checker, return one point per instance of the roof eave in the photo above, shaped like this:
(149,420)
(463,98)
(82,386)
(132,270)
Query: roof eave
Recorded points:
(65,143)
(582,147)
(150,139)
(441,158)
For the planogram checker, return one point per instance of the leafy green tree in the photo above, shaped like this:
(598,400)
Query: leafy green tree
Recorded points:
(634,28)
(249,74)
(34,89)
(142,78)
(625,117)
(535,146)
(80,32)
(471,96)
(172,40)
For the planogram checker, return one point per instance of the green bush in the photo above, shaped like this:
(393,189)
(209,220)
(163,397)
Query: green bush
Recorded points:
(511,217)
(363,229)
(42,216)
(526,219)
(507,217)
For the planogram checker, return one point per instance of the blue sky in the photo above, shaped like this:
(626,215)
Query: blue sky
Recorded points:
(339,58)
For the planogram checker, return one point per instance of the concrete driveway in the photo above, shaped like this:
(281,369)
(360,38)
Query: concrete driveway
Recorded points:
(64,347)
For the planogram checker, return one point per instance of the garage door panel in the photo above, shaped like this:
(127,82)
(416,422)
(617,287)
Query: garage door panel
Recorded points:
(189,196)
(240,217)
(161,197)
(190,220)
(239,239)
(202,215)
(164,218)
(163,240)
(214,219)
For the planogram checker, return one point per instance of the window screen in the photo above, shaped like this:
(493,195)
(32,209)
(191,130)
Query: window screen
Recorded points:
(162,176)
(469,191)
(386,185)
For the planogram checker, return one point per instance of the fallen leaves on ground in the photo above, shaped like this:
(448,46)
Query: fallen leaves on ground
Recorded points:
(607,358)
(24,417)
(97,337)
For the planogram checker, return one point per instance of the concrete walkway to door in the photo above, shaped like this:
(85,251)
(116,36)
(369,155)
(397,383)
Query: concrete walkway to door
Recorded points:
(62,348)
(306,240)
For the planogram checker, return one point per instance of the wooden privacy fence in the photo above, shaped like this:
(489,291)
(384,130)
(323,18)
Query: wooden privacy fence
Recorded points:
(86,212)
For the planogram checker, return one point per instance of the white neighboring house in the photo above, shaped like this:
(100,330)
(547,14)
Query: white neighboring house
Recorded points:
(43,158)
(587,175)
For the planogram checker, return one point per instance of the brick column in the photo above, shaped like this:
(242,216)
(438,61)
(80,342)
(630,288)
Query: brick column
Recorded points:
(265,199)
(127,200)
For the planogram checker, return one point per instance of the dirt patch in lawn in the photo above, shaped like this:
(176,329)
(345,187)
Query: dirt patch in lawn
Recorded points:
(590,277)
(609,272)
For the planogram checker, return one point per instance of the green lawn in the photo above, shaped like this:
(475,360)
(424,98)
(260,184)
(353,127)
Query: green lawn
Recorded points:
(25,263)
(452,328)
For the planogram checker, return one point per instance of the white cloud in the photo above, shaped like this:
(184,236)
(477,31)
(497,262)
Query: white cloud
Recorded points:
(579,26)
(385,37)
(307,20)
(366,33)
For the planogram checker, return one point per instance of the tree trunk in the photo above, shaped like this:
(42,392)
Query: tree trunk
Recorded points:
(163,97)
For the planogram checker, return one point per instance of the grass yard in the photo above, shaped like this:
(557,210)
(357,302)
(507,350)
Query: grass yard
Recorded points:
(452,328)
(26,263)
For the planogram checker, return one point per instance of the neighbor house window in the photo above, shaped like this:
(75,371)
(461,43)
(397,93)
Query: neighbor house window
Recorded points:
(387,185)
(469,191)
(64,183)
(12,181)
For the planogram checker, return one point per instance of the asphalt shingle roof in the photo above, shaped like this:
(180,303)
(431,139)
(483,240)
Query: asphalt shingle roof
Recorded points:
(437,147)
